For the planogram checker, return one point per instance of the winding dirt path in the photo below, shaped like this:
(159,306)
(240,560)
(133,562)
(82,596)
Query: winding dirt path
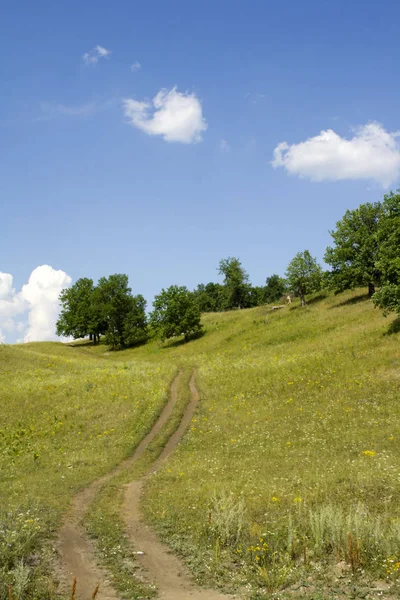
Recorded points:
(76,551)
(164,568)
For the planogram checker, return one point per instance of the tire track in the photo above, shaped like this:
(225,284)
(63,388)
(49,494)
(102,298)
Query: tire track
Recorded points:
(164,568)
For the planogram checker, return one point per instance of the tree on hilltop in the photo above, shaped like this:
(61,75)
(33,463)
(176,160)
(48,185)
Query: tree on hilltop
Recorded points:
(236,282)
(79,317)
(175,313)
(353,257)
(124,314)
(388,255)
(275,288)
(304,275)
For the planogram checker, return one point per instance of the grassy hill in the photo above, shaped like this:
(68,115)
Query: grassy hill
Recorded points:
(289,472)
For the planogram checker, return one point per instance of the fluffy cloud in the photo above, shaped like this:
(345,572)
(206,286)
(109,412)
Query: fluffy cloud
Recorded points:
(11,303)
(176,117)
(136,66)
(372,153)
(38,299)
(92,57)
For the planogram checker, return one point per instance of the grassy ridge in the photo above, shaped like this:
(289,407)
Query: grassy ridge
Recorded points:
(292,463)
(67,416)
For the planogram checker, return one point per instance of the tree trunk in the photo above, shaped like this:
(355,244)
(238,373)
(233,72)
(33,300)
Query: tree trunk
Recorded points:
(371,289)
(302,299)
(90,337)
(94,338)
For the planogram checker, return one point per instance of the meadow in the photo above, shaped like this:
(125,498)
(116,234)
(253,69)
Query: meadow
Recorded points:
(67,417)
(287,482)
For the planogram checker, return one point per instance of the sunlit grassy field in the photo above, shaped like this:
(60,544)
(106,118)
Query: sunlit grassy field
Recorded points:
(67,416)
(292,464)
(290,471)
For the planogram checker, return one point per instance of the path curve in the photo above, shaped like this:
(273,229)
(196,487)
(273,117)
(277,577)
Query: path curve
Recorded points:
(76,552)
(164,568)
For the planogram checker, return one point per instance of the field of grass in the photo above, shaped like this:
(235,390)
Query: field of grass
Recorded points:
(292,464)
(67,416)
(288,476)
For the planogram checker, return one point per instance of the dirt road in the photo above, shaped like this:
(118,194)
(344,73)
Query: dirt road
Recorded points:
(77,558)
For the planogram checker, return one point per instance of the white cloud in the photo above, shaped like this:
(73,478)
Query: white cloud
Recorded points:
(136,66)
(2,338)
(11,303)
(176,117)
(224,146)
(38,299)
(42,292)
(372,153)
(92,57)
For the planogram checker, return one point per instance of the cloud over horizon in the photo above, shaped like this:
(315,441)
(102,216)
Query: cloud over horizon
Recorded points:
(92,57)
(372,153)
(177,117)
(37,301)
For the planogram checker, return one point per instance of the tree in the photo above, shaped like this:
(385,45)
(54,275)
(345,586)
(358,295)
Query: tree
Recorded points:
(209,297)
(123,313)
(135,324)
(388,255)
(353,257)
(79,317)
(304,275)
(274,289)
(175,313)
(235,282)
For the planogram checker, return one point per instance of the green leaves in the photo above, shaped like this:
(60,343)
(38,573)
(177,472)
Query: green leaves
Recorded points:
(354,254)
(175,313)
(304,275)
(108,308)
(388,255)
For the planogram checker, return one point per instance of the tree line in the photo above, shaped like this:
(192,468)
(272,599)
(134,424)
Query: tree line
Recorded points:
(365,252)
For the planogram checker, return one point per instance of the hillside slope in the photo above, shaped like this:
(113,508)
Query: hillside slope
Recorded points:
(291,464)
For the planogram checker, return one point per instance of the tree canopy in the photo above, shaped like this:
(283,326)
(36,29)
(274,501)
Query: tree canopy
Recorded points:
(388,255)
(108,308)
(304,275)
(236,283)
(353,257)
(175,313)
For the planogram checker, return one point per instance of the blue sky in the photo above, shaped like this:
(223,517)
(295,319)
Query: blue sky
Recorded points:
(138,138)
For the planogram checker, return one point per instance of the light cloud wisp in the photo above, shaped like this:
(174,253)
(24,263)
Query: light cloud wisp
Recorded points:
(92,57)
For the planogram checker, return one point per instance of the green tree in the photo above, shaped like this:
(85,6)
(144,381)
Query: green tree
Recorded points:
(275,288)
(236,283)
(353,257)
(79,317)
(123,313)
(388,255)
(304,275)
(209,297)
(135,324)
(175,313)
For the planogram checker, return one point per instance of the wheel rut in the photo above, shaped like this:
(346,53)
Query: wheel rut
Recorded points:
(163,568)
(76,552)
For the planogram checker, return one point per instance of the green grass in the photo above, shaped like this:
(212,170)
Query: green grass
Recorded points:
(290,467)
(104,523)
(67,416)
(300,418)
